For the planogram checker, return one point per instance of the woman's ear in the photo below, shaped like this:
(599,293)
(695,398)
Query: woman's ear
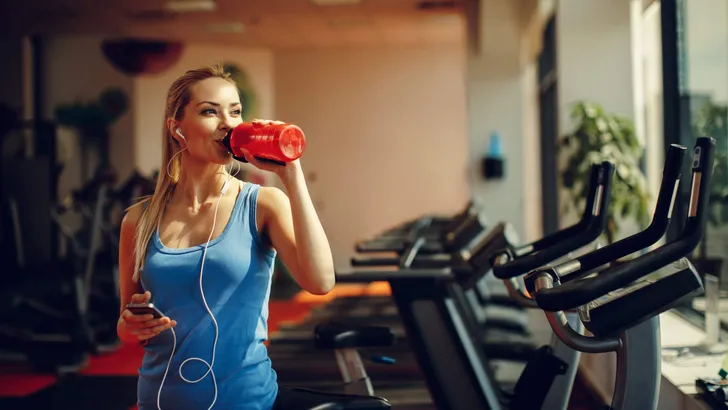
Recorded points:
(174,131)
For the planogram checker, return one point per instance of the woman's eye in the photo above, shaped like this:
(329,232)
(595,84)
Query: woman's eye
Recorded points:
(237,112)
(208,111)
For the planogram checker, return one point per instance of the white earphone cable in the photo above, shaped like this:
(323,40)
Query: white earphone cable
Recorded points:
(207,307)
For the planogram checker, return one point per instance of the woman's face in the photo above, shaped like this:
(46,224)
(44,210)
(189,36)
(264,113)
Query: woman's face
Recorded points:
(213,110)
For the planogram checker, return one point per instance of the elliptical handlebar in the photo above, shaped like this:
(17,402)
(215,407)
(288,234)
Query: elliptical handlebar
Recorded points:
(671,173)
(553,296)
(586,217)
(589,228)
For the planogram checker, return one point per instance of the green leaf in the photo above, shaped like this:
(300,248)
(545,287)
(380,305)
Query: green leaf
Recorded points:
(598,136)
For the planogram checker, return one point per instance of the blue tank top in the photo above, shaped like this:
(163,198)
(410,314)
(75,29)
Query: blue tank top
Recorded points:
(236,281)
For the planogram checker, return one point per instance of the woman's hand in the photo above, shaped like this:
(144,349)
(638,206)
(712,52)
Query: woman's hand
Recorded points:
(143,327)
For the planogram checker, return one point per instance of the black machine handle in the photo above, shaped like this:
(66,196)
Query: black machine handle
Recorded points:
(417,227)
(596,216)
(666,198)
(577,293)
(586,218)
(412,245)
(368,261)
(413,231)
(409,254)
(461,216)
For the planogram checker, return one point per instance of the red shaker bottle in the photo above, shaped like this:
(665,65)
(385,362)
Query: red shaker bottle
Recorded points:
(276,142)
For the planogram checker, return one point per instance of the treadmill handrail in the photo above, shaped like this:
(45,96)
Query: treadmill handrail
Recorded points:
(404,274)
(458,218)
(671,174)
(580,292)
(416,229)
(598,223)
(408,256)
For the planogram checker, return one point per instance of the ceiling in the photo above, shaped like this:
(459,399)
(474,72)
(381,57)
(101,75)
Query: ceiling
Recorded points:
(277,24)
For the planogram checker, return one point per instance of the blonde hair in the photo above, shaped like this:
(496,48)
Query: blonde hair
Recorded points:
(178,97)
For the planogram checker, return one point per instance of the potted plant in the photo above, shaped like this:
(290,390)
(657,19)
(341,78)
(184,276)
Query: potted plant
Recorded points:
(599,136)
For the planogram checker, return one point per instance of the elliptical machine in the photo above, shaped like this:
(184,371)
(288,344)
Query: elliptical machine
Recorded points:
(620,306)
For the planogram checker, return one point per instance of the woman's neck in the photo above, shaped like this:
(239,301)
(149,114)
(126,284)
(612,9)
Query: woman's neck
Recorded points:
(199,183)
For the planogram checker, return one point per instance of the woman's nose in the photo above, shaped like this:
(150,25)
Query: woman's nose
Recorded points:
(226,124)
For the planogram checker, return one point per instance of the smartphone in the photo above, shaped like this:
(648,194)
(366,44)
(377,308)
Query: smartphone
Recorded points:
(145,309)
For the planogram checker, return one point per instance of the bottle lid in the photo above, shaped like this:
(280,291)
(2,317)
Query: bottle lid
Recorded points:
(494,147)
(292,141)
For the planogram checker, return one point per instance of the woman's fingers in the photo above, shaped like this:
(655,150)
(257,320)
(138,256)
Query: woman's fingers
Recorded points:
(152,328)
(141,297)
(148,333)
(132,318)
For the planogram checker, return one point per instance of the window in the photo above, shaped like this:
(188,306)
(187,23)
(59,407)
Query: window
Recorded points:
(696,74)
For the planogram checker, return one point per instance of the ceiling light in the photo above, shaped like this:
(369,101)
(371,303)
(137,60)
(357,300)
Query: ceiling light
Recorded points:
(335,2)
(186,6)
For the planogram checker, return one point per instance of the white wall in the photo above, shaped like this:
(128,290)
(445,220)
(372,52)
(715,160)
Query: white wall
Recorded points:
(386,134)
(648,96)
(150,93)
(502,97)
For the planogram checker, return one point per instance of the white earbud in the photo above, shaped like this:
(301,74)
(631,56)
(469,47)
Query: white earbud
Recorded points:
(180,134)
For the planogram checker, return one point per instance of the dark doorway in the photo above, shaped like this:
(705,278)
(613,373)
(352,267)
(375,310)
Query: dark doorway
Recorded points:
(549,117)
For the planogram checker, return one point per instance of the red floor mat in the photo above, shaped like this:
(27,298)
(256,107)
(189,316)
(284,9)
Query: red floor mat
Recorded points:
(125,361)
(21,385)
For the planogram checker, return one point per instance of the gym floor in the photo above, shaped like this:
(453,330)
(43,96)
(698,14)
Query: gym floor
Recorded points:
(109,381)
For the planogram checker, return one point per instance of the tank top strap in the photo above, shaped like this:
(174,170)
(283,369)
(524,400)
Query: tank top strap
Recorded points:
(248,211)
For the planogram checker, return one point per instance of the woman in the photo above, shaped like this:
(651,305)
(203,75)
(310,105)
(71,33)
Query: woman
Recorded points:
(201,248)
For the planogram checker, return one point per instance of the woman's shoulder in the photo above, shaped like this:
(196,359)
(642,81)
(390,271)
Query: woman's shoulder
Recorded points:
(134,213)
(271,198)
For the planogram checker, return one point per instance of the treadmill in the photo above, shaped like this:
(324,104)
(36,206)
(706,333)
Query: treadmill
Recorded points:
(381,310)
(288,348)
(438,231)
(454,232)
